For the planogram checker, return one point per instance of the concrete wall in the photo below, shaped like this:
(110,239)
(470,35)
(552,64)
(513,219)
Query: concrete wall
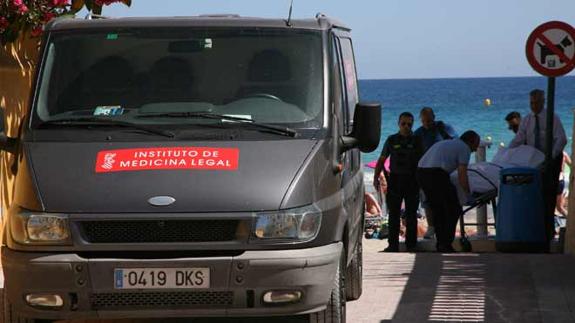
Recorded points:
(17,66)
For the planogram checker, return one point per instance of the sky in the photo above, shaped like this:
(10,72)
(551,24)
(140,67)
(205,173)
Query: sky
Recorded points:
(405,39)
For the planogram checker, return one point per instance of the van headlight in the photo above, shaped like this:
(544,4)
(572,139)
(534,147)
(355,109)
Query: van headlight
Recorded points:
(299,224)
(41,228)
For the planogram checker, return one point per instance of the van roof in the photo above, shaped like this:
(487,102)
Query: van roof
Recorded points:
(321,22)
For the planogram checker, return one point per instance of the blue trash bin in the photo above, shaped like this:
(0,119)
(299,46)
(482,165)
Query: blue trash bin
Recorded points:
(520,223)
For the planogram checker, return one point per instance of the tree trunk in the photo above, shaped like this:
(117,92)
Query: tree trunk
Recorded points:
(18,61)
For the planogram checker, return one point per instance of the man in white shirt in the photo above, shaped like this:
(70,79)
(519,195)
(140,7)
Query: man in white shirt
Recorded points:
(433,172)
(532,132)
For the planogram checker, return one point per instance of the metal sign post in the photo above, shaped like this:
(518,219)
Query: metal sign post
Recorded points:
(549,125)
(550,50)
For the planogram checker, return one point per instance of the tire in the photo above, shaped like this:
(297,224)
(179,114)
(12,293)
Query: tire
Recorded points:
(335,310)
(10,316)
(354,274)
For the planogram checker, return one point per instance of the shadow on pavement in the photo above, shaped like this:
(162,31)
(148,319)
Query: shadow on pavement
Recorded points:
(467,287)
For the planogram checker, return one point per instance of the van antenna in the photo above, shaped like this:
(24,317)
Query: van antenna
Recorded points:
(288,21)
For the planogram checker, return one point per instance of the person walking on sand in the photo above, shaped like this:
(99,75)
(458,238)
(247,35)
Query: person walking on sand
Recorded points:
(433,176)
(430,132)
(532,132)
(404,150)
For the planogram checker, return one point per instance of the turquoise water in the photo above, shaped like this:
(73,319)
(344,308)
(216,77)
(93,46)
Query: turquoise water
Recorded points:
(460,102)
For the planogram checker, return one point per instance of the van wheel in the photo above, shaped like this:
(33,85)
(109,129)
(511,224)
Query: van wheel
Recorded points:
(10,316)
(354,274)
(335,310)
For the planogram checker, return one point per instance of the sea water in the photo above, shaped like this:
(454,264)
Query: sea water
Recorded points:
(462,104)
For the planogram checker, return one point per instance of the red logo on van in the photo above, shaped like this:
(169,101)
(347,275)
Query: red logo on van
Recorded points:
(206,158)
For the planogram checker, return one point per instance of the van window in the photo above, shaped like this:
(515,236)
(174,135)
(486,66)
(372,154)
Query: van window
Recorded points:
(338,95)
(269,76)
(350,79)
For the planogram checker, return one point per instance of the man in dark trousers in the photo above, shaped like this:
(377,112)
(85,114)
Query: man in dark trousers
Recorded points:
(532,132)
(433,172)
(404,150)
(431,131)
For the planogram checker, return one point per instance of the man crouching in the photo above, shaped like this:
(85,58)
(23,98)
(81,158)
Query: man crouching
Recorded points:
(433,175)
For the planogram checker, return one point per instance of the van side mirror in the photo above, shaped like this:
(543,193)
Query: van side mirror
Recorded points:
(366,128)
(7,144)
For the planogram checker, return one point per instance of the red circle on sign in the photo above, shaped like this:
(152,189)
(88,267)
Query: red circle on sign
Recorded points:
(538,33)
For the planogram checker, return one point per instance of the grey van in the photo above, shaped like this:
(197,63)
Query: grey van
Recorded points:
(189,167)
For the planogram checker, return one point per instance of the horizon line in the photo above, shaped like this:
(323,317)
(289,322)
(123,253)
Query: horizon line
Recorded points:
(453,78)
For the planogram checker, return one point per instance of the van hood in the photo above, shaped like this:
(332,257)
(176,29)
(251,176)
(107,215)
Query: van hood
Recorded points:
(201,177)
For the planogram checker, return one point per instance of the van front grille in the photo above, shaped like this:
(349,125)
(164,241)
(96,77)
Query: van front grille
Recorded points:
(150,231)
(167,300)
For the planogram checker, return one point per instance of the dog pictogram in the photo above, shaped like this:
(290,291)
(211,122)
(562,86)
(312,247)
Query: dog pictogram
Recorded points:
(546,51)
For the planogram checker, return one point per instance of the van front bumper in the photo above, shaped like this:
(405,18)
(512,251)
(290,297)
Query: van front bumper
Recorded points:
(237,284)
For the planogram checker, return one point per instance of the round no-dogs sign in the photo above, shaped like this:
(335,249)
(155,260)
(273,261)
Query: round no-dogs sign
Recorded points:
(550,48)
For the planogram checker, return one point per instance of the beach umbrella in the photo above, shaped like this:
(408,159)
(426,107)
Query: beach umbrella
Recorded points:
(373,163)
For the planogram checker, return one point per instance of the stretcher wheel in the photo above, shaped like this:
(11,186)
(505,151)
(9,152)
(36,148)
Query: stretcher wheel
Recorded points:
(465,244)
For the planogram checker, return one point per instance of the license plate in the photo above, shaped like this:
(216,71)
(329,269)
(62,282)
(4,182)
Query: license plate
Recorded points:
(158,278)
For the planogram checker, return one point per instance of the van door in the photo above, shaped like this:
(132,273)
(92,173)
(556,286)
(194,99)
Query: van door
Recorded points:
(351,159)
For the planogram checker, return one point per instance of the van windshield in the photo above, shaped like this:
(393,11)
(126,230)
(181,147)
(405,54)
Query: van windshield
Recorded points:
(162,76)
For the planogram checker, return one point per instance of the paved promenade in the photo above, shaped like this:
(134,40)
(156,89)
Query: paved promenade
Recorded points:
(461,287)
(464,287)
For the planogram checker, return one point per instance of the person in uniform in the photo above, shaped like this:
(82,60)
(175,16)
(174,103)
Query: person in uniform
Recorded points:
(404,150)
(433,173)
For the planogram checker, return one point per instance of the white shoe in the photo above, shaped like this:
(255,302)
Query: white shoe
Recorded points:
(430,234)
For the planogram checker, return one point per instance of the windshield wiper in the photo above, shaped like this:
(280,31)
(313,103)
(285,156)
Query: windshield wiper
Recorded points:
(95,121)
(216,116)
